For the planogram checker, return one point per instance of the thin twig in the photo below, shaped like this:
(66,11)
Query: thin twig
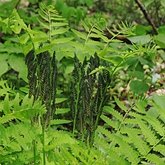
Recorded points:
(146,15)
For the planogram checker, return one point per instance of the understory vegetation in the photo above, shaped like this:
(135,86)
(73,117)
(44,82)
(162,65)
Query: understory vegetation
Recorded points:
(82,82)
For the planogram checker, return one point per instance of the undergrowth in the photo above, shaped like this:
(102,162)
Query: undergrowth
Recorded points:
(77,124)
(130,135)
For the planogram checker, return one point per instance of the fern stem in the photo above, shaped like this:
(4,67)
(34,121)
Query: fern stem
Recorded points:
(76,108)
(89,34)
(50,28)
(124,117)
(118,130)
(34,152)
(43,145)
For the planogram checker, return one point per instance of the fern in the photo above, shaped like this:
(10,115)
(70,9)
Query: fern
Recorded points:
(52,21)
(138,136)
(15,139)
(55,27)
(5,89)
(12,109)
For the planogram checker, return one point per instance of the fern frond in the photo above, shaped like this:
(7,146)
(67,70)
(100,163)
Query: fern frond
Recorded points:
(139,143)
(113,156)
(141,132)
(5,88)
(121,105)
(152,158)
(62,111)
(52,21)
(59,122)
(156,125)
(123,147)
(113,112)
(7,118)
(127,150)
(130,130)
(159,104)
(28,109)
(57,138)
(148,133)
(160,148)
(110,122)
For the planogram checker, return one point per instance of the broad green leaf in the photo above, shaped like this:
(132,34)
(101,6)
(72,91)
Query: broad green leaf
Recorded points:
(160,101)
(163,3)
(16,23)
(137,74)
(18,64)
(138,86)
(44,48)
(24,38)
(27,48)
(160,40)
(141,29)
(143,39)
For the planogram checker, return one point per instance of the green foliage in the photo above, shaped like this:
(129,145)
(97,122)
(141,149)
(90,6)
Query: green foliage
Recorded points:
(13,110)
(26,142)
(134,134)
(92,60)
(130,136)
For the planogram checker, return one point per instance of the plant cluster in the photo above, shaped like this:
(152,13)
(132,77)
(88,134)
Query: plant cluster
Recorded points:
(74,90)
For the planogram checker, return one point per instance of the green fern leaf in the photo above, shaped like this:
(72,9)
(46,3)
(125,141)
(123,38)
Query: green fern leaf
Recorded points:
(148,133)
(52,21)
(140,106)
(113,112)
(160,148)
(156,124)
(62,111)
(7,118)
(130,121)
(16,103)
(59,122)
(113,156)
(152,158)
(121,105)
(60,31)
(125,129)
(61,40)
(6,105)
(57,138)
(110,122)
(80,34)
(139,143)
(126,149)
